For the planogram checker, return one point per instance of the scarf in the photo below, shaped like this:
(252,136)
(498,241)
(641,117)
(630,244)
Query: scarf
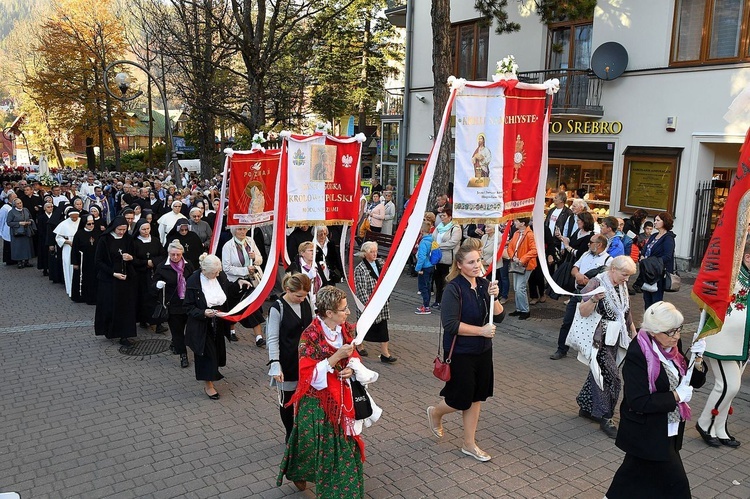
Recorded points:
(654,365)
(616,302)
(242,252)
(311,271)
(443,228)
(179,267)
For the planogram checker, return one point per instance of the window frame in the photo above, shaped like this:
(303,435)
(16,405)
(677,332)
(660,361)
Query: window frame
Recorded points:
(572,25)
(743,49)
(477,24)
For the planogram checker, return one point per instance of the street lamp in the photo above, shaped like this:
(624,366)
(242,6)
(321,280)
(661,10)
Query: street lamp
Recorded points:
(122,80)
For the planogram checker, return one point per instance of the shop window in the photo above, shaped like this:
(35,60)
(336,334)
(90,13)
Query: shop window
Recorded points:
(710,31)
(649,179)
(470,47)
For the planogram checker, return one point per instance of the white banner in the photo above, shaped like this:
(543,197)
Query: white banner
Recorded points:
(310,164)
(478,180)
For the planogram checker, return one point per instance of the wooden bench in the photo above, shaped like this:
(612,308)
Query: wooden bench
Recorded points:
(385,241)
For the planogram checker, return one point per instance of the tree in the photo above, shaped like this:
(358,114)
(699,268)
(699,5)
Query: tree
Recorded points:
(492,11)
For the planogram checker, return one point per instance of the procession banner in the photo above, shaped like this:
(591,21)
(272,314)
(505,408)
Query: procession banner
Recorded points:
(714,284)
(323,179)
(252,186)
(499,142)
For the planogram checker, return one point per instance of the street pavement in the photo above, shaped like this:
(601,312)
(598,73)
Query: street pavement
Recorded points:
(80,419)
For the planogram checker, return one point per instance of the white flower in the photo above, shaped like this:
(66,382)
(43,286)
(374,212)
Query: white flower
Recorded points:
(456,83)
(323,127)
(258,138)
(507,66)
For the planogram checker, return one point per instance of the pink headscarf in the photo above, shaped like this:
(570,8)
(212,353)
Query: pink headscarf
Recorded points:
(653,364)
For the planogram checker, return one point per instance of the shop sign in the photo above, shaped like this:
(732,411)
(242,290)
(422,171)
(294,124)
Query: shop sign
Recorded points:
(586,127)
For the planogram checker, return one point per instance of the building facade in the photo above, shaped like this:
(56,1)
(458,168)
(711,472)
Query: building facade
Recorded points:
(653,137)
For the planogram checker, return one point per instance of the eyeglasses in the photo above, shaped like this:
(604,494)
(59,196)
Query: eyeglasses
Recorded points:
(672,332)
(89,223)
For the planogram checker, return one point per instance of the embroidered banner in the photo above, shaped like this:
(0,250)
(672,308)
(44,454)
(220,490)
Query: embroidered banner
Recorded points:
(252,186)
(499,139)
(323,179)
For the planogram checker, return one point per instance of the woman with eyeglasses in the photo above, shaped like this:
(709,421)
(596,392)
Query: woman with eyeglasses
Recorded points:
(287,318)
(200,227)
(325,446)
(654,409)
(598,397)
(83,258)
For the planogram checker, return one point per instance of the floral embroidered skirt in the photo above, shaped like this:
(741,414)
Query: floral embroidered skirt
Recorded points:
(317,453)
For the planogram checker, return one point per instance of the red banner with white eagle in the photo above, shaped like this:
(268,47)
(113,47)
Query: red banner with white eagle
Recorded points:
(252,184)
(322,179)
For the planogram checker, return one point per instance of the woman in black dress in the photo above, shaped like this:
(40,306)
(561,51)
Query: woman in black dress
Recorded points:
(115,301)
(42,251)
(287,318)
(207,293)
(147,253)
(83,259)
(170,279)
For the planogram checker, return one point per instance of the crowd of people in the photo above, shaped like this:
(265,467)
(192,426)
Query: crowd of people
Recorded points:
(135,246)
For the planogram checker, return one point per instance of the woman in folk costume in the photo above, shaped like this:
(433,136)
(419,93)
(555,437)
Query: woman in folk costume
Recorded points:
(115,302)
(325,446)
(305,264)
(727,353)
(239,258)
(83,257)
(147,254)
(654,409)
(64,234)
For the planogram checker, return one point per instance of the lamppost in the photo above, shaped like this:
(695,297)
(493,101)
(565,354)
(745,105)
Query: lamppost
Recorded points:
(122,80)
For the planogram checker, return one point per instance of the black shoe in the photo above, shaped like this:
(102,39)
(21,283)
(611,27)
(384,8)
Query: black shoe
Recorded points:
(183,360)
(126,342)
(712,441)
(608,427)
(144,325)
(161,329)
(215,396)
(515,313)
(20,265)
(587,415)
(233,336)
(730,442)
(27,264)
(524,315)
(260,342)
(388,360)
(558,355)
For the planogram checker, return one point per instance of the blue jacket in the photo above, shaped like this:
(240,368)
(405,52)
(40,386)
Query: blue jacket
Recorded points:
(663,248)
(423,253)
(616,248)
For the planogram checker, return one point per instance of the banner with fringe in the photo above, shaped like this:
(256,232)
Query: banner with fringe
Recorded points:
(252,186)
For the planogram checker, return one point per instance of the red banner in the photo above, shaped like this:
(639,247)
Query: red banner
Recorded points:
(714,284)
(252,186)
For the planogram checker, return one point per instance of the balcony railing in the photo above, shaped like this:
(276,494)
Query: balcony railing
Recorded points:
(393,102)
(580,91)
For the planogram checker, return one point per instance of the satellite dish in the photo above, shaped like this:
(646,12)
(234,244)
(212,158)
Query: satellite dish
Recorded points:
(609,60)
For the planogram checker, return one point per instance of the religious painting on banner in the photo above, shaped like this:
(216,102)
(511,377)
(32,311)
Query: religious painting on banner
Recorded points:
(499,145)
(252,186)
(322,179)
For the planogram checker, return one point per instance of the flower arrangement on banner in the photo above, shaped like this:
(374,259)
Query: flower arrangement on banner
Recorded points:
(258,140)
(47,180)
(507,69)
(323,127)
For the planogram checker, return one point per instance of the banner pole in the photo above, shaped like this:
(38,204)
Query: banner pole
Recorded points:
(495,242)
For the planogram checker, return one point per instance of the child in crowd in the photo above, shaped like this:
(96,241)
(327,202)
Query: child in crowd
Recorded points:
(424,268)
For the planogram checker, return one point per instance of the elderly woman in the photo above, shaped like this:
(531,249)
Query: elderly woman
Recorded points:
(654,409)
(522,250)
(327,257)
(661,244)
(304,263)
(468,332)
(287,318)
(239,258)
(116,300)
(200,227)
(189,240)
(21,229)
(168,221)
(612,335)
(324,447)
(366,276)
(170,281)
(207,292)
(390,212)
(147,254)
(375,213)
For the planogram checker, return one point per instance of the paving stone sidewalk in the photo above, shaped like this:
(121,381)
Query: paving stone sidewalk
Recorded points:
(80,419)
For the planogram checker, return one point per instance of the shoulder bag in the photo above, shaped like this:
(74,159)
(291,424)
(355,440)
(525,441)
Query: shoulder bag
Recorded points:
(362,404)
(581,334)
(673,282)
(161,312)
(442,369)
(517,267)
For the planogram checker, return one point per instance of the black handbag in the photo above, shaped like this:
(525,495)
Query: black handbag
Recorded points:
(161,311)
(563,277)
(362,405)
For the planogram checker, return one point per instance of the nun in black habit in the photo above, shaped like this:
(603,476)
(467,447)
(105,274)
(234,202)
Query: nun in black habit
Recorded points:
(147,254)
(55,252)
(116,298)
(83,258)
(42,261)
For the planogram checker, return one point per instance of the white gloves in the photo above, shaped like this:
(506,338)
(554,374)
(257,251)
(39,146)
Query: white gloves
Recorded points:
(684,391)
(698,347)
(160,284)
